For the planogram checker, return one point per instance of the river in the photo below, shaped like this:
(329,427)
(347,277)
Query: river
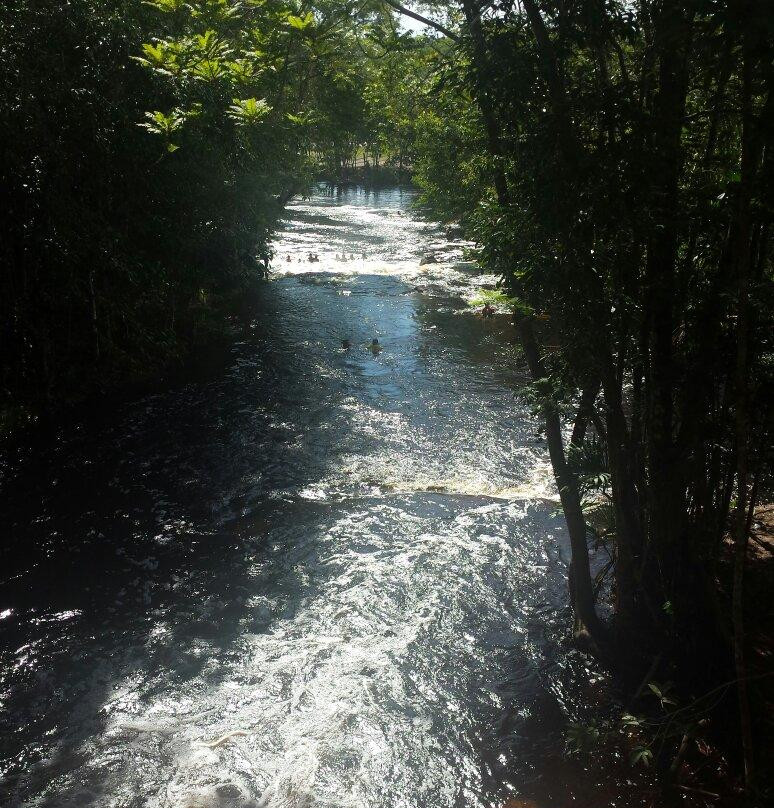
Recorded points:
(351,559)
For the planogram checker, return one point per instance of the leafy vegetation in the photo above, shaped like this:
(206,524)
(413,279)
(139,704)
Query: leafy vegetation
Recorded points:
(615,164)
(149,150)
(613,161)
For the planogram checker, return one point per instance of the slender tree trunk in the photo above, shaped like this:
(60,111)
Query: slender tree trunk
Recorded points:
(581,587)
(673,37)
(583,416)
(587,622)
(94,320)
(481,71)
(616,435)
(625,498)
(742,420)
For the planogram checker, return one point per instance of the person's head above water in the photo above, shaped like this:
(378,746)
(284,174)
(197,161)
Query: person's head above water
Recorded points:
(374,341)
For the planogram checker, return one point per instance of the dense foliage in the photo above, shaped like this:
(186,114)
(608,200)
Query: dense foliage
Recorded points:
(148,150)
(626,200)
(111,236)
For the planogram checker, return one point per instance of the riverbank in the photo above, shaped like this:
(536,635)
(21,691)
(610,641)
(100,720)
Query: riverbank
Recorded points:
(202,328)
(381,176)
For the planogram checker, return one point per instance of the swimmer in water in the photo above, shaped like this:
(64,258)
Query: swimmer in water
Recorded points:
(488,310)
(345,344)
(374,347)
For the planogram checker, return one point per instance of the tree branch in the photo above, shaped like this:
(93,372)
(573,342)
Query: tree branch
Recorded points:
(419,18)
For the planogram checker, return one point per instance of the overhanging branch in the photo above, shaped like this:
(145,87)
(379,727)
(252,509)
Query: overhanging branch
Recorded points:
(419,18)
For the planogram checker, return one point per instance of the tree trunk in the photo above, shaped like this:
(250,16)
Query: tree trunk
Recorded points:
(673,27)
(587,623)
(581,587)
(583,416)
(94,320)
(742,420)
(480,77)
(625,497)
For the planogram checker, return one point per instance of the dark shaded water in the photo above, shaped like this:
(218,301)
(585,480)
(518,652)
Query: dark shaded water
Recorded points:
(352,559)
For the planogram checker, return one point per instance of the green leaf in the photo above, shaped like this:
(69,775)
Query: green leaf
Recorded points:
(641,754)
(582,738)
(630,720)
(166,6)
(300,23)
(301,120)
(164,124)
(241,70)
(208,70)
(245,111)
(495,296)
(162,57)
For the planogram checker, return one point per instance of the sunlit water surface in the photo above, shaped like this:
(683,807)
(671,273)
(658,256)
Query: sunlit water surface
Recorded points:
(351,560)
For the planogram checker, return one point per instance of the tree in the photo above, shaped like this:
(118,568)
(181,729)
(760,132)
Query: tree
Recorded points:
(623,202)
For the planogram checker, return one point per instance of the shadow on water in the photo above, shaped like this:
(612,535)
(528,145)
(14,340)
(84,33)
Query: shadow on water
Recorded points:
(494,351)
(170,489)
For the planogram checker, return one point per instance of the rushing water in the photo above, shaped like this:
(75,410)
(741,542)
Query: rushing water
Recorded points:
(350,559)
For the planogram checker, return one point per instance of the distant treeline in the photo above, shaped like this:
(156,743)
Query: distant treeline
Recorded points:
(365,173)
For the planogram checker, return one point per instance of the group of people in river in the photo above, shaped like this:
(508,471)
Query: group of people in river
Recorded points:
(343,257)
(314,258)
(487,310)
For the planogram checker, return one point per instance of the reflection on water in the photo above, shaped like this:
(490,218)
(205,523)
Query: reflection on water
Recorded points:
(321,576)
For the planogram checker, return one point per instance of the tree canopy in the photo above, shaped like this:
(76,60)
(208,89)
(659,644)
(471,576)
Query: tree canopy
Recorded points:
(148,151)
